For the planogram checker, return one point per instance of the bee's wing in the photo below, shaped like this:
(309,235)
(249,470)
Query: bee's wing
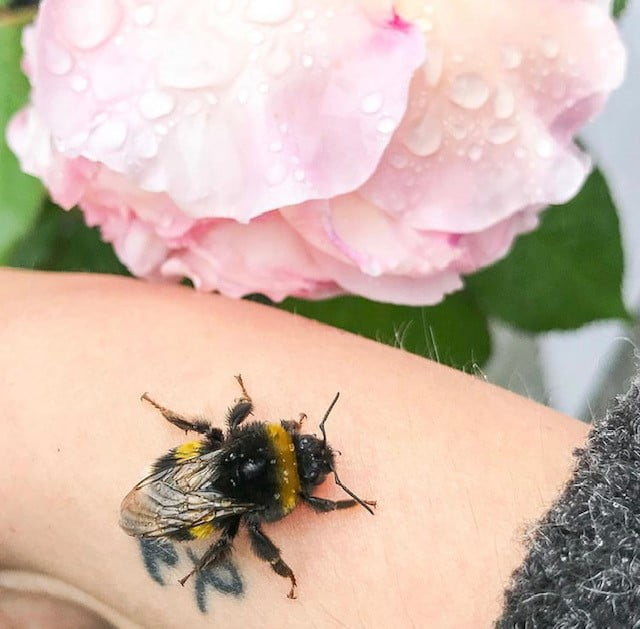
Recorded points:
(177,498)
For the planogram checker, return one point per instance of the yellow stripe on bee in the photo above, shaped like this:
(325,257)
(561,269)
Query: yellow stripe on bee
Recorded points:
(188,450)
(199,531)
(286,466)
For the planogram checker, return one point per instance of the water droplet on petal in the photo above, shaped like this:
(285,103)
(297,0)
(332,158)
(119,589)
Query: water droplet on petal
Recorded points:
(372,103)
(544,148)
(386,125)
(504,102)
(88,23)
(469,91)
(425,137)
(144,14)
(307,61)
(299,174)
(57,60)
(501,133)
(109,136)
(269,11)
(511,57)
(156,104)
(78,83)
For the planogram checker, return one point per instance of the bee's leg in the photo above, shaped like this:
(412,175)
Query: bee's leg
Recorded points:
(217,552)
(241,409)
(186,423)
(267,550)
(323,505)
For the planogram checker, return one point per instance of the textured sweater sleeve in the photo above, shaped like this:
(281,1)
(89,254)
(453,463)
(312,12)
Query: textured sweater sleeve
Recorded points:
(583,564)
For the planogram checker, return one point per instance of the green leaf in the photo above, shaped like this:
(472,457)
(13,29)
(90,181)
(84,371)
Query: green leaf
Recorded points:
(566,273)
(20,195)
(454,332)
(61,241)
(618,7)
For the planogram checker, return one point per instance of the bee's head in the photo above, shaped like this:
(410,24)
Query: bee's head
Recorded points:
(316,460)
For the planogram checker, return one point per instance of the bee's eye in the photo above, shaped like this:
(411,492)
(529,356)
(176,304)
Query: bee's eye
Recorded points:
(252,468)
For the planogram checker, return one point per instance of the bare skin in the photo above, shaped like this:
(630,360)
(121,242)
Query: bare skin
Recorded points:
(458,467)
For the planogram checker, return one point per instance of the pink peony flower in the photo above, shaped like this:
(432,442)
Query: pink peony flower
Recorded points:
(311,148)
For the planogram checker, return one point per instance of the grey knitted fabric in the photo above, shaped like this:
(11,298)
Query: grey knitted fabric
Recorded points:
(583,565)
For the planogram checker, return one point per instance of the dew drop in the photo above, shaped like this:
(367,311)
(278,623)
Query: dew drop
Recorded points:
(372,103)
(425,138)
(263,88)
(511,57)
(544,148)
(298,175)
(501,133)
(109,136)
(504,102)
(386,125)
(144,14)
(269,11)
(88,23)
(78,83)
(307,61)
(469,91)
(155,104)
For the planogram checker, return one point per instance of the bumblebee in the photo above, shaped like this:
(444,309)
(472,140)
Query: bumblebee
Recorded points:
(255,472)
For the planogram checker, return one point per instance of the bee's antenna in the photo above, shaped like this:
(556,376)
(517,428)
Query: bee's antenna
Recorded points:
(347,490)
(324,419)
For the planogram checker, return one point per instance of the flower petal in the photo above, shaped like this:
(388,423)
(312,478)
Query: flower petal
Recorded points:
(493,110)
(232,109)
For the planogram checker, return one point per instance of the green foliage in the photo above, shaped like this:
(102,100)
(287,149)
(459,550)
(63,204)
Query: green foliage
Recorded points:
(618,7)
(566,273)
(20,195)
(61,241)
(454,332)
